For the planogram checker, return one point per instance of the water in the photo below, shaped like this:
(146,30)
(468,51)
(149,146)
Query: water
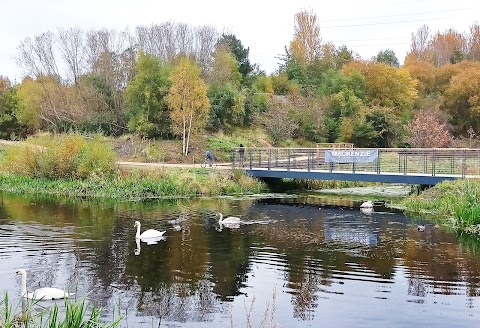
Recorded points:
(296,262)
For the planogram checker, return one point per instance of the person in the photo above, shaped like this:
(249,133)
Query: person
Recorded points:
(241,152)
(209,156)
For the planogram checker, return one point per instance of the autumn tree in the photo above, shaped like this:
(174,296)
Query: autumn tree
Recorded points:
(145,98)
(187,100)
(386,86)
(306,43)
(473,42)
(447,48)
(423,71)
(461,98)
(428,130)
(420,43)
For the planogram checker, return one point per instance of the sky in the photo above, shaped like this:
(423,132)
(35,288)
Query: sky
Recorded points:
(264,26)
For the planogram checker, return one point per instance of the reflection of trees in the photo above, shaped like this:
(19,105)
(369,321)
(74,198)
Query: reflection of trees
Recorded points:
(169,303)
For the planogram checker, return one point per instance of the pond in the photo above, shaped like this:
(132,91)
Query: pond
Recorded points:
(298,261)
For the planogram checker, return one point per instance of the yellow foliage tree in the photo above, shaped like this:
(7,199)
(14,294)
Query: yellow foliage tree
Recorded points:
(462,98)
(423,71)
(386,86)
(306,44)
(187,100)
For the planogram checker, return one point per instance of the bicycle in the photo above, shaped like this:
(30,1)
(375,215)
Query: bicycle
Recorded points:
(208,162)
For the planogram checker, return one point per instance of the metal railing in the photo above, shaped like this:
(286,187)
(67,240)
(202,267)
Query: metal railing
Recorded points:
(457,162)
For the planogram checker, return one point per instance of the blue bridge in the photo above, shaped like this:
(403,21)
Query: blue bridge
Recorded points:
(387,165)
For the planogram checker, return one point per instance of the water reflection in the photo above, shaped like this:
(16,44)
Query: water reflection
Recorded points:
(314,260)
(148,241)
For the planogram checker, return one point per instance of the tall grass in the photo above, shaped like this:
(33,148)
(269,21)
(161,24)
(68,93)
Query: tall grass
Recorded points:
(458,200)
(139,184)
(77,314)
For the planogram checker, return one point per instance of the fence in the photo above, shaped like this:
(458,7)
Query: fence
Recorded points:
(459,162)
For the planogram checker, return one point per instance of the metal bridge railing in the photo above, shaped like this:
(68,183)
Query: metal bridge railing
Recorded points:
(459,162)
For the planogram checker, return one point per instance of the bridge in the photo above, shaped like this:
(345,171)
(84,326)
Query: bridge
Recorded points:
(388,165)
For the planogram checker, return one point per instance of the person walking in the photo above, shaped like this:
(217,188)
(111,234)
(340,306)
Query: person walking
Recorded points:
(241,152)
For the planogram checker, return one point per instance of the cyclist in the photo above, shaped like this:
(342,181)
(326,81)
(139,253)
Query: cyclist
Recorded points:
(209,157)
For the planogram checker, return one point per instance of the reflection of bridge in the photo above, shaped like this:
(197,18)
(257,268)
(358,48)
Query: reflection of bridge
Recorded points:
(389,165)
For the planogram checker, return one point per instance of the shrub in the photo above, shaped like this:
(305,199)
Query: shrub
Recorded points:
(63,157)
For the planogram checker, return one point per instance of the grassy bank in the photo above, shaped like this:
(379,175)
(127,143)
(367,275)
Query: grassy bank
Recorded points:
(76,314)
(458,201)
(76,166)
(140,184)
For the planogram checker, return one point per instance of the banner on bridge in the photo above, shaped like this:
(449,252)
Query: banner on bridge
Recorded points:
(351,156)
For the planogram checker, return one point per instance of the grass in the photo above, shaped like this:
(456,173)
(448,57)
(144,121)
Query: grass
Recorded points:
(139,184)
(458,200)
(77,314)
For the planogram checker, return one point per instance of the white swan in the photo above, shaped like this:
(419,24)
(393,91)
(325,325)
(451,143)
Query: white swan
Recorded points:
(366,210)
(150,233)
(46,293)
(367,204)
(228,219)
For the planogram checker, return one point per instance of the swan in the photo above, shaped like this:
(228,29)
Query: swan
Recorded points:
(367,204)
(228,219)
(46,293)
(366,210)
(150,233)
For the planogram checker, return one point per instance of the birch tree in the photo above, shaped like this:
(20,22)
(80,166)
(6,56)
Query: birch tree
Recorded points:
(187,100)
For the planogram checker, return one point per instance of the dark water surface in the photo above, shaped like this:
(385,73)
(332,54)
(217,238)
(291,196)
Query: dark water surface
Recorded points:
(293,263)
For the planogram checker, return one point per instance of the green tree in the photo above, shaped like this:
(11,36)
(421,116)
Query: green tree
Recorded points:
(146,98)
(241,54)
(227,107)
(187,100)
(10,127)
(387,57)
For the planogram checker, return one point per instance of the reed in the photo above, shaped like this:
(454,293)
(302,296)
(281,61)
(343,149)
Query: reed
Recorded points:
(77,314)
(458,200)
(166,183)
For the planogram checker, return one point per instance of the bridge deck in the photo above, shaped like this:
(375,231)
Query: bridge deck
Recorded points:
(399,165)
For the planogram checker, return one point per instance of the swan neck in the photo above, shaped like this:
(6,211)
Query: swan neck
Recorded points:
(23,286)
(138,231)
(221,218)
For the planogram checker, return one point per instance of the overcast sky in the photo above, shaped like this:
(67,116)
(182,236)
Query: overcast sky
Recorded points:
(264,26)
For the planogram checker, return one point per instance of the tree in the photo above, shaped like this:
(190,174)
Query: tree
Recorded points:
(387,57)
(224,68)
(240,53)
(427,130)
(447,48)
(473,42)
(187,100)
(306,43)
(227,107)
(145,98)
(461,98)
(423,72)
(277,120)
(386,86)
(420,43)
(10,127)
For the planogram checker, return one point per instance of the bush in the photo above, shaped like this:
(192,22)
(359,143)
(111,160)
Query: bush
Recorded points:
(63,157)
